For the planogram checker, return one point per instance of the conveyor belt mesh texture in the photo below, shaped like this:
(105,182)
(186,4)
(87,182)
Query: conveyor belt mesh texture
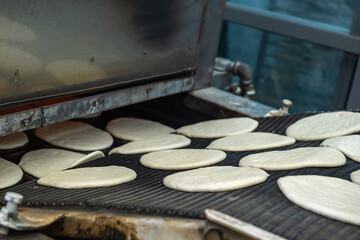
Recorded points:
(262,205)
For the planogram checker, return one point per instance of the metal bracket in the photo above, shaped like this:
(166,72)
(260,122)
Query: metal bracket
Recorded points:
(282,111)
(10,219)
(220,226)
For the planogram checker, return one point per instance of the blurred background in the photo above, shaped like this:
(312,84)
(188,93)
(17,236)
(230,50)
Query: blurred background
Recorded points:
(303,52)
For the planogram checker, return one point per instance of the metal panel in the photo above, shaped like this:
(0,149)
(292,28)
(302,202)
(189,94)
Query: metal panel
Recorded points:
(41,116)
(48,48)
(287,26)
(209,41)
(354,96)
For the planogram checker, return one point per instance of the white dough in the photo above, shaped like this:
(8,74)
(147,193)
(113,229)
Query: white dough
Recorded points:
(251,141)
(355,176)
(181,159)
(215,179)
(14,140)
(325,125)
(219,128)
(295,158)
(328,196)
(75,135)
(349,145)
(89,177)
(135,128)
(10,173)
(151,144)
(44,161)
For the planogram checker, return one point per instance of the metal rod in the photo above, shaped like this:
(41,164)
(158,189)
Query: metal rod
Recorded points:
(292,27)
(41,116)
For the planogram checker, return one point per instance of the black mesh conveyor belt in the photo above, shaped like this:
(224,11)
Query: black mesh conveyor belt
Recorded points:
(262,205)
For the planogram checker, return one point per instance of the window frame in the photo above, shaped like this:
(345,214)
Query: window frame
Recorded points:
(347,93)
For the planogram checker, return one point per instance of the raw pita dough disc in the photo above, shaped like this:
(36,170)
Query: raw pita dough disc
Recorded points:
(136,129)
(215,179)
(10,173)
(295,158)
(14,140)
(251,141)
(219,128)
(328,196)
(325,125)
(349,145)
(75,135)
(44,161)
(181,159)
(89,177)
(151,144)
(355,176)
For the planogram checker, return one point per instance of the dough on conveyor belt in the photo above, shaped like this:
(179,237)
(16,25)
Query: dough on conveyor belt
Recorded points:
(39,163)
(75,135)
(10,173)
(349,145)
(215,179)
(14,140)
(152,144)
(331,197)
(136,129)
(355,176)
(181,159)
(295,158)
(219,127)
(325,125)
(251,141)
(88,177)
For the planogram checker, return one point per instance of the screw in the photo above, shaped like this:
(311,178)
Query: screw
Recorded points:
(10,209)
(92,60)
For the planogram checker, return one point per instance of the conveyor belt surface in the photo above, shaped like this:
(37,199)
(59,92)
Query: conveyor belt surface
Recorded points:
(262,205)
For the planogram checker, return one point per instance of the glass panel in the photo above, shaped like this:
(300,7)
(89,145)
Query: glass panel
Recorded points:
(336,13)
(284,67)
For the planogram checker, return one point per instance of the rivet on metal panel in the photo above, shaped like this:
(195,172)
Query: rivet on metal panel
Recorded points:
(144,52)
(25,122)
(92,60)
(148,90)
(96,103)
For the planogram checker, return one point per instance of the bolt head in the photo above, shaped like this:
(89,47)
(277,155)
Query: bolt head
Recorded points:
(13,197)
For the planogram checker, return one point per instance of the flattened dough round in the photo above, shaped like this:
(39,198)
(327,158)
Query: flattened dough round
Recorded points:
(151,144)
(251,141)
(355,177)
(135,129)
(295,158)
(10,173)
(349,145)
(44,161)
(14,140)
(75,135)
(219,128)
(181,159)
(89,177)
(328,196)
(325,125)
(215,179)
